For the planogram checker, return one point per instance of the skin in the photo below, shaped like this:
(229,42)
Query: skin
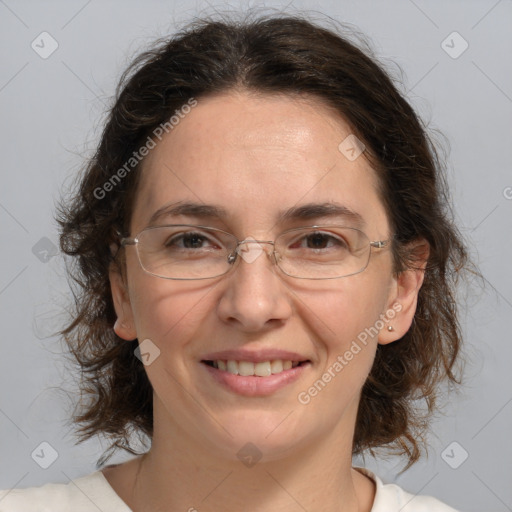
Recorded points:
(255,155)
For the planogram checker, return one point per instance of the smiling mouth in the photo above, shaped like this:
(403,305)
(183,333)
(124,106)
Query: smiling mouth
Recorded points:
(250,369)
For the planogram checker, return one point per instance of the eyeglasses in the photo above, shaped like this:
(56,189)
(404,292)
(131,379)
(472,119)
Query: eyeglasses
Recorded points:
(184,251)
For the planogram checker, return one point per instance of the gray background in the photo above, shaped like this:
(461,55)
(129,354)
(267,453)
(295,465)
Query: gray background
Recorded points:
(51,111)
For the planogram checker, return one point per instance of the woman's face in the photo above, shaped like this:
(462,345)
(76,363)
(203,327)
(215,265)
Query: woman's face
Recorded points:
(257,157)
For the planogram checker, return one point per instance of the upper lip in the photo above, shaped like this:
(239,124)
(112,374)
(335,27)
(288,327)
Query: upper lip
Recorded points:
(254,356)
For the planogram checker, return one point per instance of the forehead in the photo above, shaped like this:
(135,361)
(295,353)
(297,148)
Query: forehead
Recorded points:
(256,156)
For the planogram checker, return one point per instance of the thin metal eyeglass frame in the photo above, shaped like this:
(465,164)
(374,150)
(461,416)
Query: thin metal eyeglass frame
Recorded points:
(233,256)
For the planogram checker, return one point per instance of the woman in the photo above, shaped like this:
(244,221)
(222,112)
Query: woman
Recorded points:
(267,274)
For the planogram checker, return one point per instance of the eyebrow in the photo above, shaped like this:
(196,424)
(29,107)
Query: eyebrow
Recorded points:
(318,210)
(304,212)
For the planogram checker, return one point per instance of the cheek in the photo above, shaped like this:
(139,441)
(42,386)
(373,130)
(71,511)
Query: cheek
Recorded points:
(168,312)
(340,312)
(343,322)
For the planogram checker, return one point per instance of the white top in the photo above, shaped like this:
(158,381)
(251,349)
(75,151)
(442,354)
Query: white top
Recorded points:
(92,492)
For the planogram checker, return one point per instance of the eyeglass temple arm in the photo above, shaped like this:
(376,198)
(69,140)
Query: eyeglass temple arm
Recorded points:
(124,240)
(127,241)
(379,244)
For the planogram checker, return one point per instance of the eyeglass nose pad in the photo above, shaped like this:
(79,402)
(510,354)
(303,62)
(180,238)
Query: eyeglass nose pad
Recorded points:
(249,255)
(250,249)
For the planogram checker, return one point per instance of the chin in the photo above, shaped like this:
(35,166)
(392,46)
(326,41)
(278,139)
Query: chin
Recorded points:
(258,434)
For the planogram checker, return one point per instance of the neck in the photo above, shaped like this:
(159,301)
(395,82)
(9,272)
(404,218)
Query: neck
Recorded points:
(284,485)
(178,474)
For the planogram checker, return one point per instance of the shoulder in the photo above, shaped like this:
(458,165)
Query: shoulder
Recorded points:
(88,493)
(391,497)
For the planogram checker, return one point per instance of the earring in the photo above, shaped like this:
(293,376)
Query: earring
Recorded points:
(390,328)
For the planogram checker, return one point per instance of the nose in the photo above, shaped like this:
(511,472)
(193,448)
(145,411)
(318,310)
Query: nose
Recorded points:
(254,295)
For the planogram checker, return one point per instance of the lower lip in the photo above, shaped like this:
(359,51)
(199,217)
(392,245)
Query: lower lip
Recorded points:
(256,386)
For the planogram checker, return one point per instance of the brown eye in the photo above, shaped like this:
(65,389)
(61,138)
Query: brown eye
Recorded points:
(319,240)
(188,240)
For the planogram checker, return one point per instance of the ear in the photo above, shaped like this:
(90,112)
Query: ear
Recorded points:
(124,326)
(403,297)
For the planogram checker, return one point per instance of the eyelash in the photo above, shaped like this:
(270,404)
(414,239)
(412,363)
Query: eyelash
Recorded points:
(327,237)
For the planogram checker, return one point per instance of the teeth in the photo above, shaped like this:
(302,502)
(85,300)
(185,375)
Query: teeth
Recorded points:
(245,368)
(276,366)
(232,367)
(262,369)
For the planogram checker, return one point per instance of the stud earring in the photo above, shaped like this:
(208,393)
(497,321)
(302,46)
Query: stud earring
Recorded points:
(390,328)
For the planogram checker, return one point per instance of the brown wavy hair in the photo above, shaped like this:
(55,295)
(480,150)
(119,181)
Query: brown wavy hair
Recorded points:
(272,55)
